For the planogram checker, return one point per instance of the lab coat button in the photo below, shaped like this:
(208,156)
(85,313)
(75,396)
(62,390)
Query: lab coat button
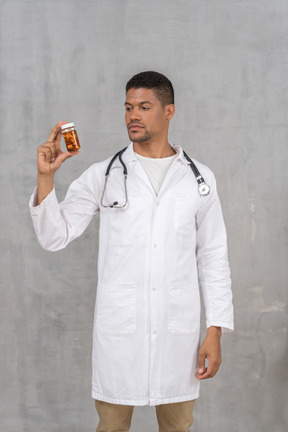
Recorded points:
(154,332)
(154,288)
(155,245)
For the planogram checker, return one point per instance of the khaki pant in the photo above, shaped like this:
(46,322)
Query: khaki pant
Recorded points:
(173,417)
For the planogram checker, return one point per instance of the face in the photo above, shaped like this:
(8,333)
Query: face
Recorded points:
(146,119)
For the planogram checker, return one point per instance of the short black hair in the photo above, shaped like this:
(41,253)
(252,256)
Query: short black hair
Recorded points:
(161,85)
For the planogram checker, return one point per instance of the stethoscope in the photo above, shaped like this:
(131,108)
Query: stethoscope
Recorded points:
(203,188)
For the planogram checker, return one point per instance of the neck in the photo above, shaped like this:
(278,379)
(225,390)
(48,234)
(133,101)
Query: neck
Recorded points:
(153,151)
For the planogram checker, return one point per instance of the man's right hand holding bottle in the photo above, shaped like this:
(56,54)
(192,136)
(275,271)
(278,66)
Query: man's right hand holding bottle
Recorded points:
(49,160)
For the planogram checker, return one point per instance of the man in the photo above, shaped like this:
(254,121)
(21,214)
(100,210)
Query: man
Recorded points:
(158,239)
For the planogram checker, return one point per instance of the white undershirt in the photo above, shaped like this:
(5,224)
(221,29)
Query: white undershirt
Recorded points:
(156,169)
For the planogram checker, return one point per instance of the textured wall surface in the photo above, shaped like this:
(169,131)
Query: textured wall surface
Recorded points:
(70,60)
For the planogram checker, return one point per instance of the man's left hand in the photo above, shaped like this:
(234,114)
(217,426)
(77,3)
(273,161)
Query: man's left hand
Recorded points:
(210,349)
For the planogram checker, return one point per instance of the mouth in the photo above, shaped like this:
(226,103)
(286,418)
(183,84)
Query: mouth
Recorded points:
(134,127)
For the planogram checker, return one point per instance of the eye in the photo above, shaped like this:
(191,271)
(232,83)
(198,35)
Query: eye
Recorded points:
(127,108)
(144,108)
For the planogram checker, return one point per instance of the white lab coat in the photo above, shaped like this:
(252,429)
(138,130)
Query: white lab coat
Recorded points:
(152,255)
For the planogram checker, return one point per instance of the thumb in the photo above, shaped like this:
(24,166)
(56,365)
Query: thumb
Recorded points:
(201,365)
(66,155)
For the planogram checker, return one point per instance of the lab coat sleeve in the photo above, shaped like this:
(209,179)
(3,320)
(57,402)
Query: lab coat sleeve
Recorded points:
(212,260)
(56,224)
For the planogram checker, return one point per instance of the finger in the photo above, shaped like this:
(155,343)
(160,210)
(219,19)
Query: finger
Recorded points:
(200,375)
(54,131)
(203,376)
(50,151)
(211,371)
(58,140)
(201,365)
(59,137)
(44,153)
(206,375)
(53,151)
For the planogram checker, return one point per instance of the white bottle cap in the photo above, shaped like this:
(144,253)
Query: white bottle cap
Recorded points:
(68,125)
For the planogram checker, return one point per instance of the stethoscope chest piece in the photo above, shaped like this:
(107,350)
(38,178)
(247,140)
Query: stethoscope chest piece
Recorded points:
(203,189)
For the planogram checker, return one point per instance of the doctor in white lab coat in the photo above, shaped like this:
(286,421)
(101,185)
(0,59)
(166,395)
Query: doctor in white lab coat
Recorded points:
(154,254)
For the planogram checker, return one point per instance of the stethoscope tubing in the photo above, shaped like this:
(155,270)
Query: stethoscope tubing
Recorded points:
(119,154)
(203,188)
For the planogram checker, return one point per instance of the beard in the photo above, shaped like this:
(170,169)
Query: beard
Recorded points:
(145,136)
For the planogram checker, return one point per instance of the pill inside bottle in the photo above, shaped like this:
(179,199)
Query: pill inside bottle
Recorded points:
(70,136)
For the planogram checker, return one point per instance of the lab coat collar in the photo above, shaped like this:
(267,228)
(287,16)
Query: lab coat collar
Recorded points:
(130,156)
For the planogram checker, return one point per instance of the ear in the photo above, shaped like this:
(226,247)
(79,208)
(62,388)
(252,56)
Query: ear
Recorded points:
(170,111)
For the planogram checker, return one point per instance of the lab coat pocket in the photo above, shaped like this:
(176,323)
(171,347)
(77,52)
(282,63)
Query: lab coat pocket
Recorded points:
(116,309)
(185,211)
(184,309)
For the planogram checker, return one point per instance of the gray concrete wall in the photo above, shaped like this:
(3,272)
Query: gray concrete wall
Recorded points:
(70,60)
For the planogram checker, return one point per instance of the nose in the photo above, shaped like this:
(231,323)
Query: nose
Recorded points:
(134,114)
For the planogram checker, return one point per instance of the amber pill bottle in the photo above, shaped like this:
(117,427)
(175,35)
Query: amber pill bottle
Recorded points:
(70,136)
